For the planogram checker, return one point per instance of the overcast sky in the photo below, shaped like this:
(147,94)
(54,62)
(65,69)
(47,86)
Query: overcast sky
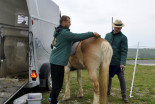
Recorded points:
(96,16)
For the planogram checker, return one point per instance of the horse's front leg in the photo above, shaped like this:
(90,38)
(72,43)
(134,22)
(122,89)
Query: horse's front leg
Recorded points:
(67,82)
(79,79)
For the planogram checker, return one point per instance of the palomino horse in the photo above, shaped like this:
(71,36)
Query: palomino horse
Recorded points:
(91,54)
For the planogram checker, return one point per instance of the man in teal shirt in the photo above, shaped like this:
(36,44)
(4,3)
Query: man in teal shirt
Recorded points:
(61,52)
(119,44)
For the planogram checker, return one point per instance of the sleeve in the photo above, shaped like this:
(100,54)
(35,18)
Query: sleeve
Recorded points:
(77,36)
(108,38)
(124,50)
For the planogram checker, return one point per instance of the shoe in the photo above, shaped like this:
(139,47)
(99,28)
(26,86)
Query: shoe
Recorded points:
(108,93)
(125,99)
(49,99)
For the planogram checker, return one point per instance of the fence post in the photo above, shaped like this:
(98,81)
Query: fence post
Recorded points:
(134,71)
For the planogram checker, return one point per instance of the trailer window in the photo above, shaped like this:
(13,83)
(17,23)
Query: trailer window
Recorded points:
(22,20)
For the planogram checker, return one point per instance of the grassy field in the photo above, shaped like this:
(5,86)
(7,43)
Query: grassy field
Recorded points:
(142,53)
(143,89)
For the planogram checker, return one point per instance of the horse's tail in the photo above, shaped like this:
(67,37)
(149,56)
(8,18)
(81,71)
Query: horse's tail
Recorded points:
(104,71)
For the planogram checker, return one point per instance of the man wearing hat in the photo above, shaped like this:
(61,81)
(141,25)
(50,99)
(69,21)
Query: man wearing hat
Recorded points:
(119,44)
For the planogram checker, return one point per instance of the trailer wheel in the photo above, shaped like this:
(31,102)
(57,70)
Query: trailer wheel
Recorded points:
(45,74)
(49,82)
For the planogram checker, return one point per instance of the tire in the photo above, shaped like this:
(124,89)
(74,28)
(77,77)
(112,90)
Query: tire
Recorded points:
(49,82)
(45,73)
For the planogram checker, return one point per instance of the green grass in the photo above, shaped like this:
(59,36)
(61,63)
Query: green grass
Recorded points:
(143,89)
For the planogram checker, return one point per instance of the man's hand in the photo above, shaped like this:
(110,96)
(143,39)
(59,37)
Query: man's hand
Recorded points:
(122,67)
(96,34)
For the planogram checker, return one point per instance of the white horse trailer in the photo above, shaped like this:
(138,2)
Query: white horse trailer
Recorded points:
(26,33)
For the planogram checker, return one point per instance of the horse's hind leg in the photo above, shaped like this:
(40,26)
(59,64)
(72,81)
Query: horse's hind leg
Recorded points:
(67,82)
(92,72)
(79,79)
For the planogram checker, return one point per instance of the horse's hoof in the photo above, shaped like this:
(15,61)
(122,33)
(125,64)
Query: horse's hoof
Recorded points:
(66,98)
(80,96)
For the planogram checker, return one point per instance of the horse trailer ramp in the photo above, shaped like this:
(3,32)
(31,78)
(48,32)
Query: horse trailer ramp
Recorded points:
(9,87)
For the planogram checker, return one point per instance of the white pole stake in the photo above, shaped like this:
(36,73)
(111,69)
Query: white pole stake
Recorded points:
(134,71)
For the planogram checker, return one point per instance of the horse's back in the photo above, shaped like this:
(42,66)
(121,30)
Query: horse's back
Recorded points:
(94,46)
(91,43)
(93,50)
(89,51)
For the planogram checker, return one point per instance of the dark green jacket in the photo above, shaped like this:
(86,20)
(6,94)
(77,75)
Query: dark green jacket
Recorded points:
(119,45)
(60,54)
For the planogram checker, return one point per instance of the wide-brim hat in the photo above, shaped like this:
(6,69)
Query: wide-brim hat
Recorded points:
(118,23)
